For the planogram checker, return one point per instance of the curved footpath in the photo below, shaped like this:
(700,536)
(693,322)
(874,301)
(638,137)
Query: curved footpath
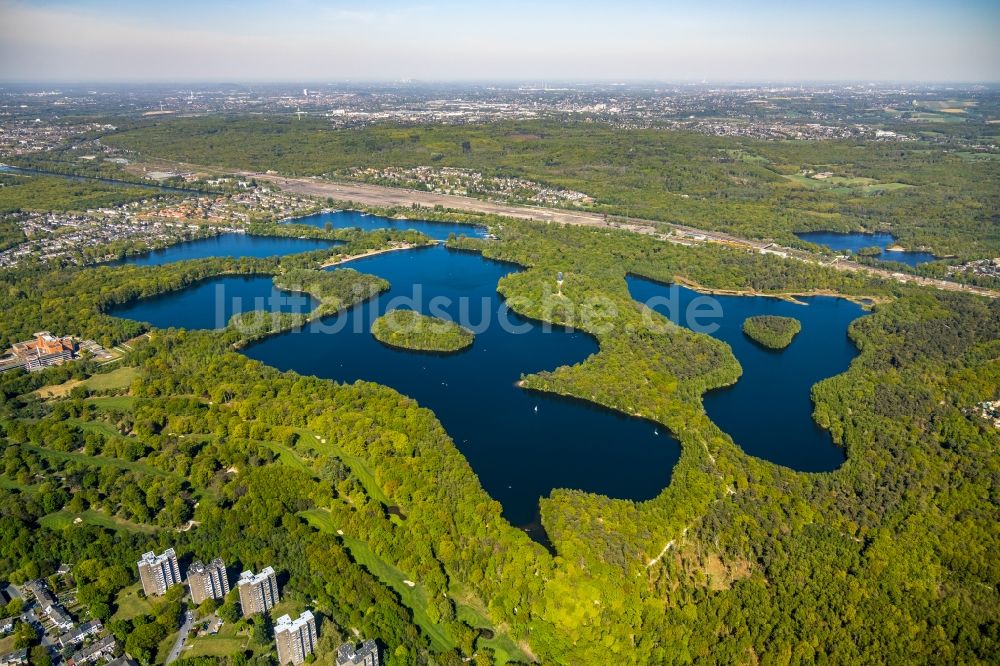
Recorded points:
(382,196)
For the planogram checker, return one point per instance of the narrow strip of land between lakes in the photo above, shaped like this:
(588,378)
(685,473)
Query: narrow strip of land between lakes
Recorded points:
(387,197)
(343,259)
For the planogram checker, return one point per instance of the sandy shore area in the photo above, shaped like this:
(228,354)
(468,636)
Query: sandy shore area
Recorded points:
(369,253)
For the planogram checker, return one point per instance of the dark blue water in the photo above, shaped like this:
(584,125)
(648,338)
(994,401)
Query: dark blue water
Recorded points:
(352,218)
(211,303)
(855,241)
(768,412)
(227,245)
(521,444)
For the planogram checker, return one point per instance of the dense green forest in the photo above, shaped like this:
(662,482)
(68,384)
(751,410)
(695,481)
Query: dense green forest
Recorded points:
(10,233)
(348,490)
(411,330)
(771,331)
(55,193)
(926,195)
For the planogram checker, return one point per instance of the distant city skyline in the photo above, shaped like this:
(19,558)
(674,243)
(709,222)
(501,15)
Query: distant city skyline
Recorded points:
(308,40)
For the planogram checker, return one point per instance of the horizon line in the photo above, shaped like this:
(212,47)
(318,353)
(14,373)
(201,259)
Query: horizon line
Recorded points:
(544,82)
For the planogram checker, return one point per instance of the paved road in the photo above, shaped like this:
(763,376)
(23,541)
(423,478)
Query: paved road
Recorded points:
(175,651)
(379,195)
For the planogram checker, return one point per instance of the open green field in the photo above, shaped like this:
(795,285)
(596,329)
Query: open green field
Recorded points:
(117,379)
(215,646)
(131,604)
(63,518)
(286,455)
(504,648)
(226,643)
(846,185)
(885,187)
(96,426)
(937,117)
(828,183)
(113,403)
(359,467)
(11,484)
(98,461)
(978,157)
(412,597)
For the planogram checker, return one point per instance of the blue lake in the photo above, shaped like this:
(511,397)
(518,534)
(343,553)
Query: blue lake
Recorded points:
(520,443)
(226,245)
(523,444)
(211,303)
(855,241)
(768,411)
(342,219)
(244,245)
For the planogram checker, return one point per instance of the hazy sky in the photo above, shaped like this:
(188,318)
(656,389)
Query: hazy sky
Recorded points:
(311,40)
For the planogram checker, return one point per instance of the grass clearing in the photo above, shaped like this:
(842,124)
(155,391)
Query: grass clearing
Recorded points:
(226,643)
(58,390)
(936,117)
(845,184)
(505,650)
(118,379)
(978,157)
(62,518)
(113,403)
(97,461)
(358,466)
(96,426)
(214,646)
(741,155)
(886,187)
(131,604)
(11,484)
(413,598)
(285,455)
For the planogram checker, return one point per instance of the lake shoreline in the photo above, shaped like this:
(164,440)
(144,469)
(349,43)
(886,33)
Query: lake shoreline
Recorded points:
(371,253)
(790,296)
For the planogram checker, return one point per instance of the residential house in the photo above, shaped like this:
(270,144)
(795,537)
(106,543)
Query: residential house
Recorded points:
(94,653)
(78,635)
